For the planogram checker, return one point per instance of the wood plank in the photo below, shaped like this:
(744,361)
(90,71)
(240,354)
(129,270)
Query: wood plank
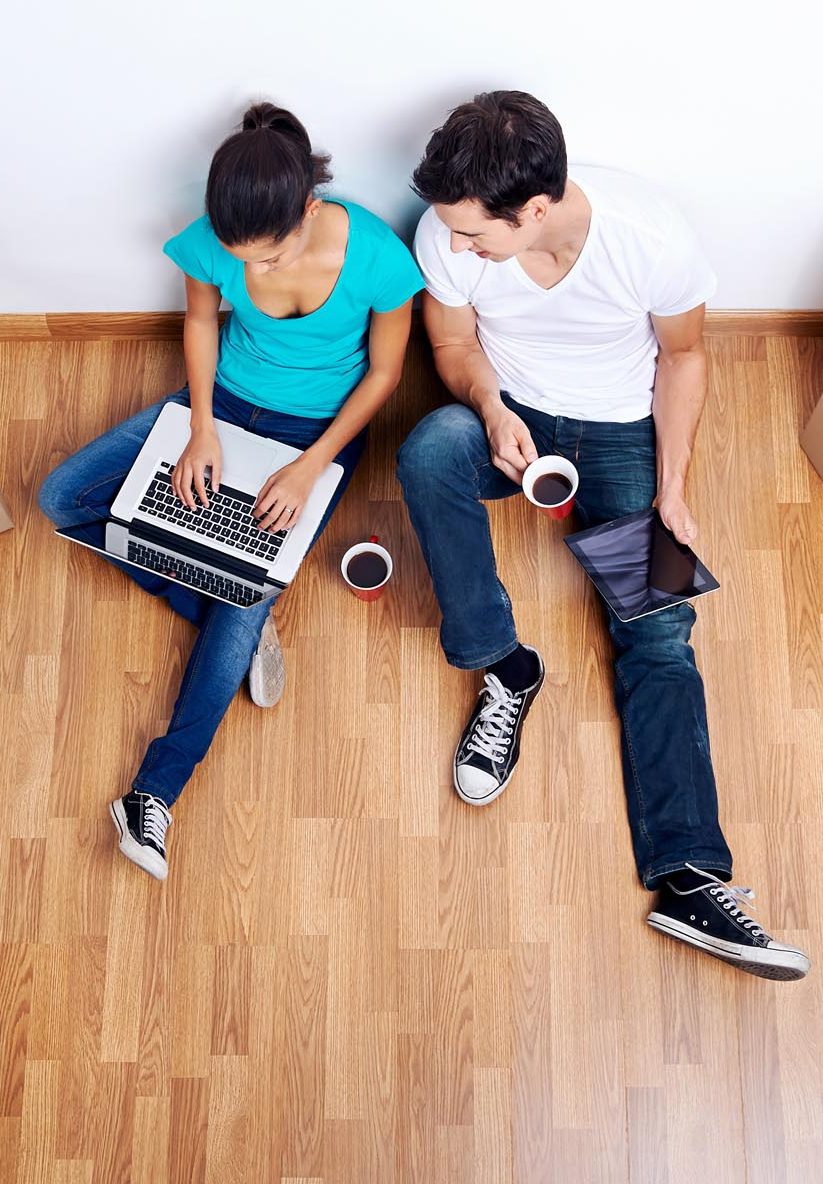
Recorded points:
(188,1130)
(16,963)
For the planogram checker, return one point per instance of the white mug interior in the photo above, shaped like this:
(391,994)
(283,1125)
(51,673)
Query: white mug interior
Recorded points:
(543,466)
(362,549)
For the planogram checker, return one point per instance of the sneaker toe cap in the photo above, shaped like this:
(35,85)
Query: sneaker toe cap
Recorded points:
(473,783)
(790,952)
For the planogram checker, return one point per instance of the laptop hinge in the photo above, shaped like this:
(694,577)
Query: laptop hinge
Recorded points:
(205,554)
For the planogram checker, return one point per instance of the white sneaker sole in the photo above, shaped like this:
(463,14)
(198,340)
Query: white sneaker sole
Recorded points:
(266,687)
(784,965)
(257,686)
(144,857)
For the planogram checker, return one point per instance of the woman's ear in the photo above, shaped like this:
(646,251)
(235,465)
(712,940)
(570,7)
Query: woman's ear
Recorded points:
(313,207)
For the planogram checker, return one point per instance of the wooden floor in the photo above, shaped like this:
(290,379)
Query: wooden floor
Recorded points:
(350,977)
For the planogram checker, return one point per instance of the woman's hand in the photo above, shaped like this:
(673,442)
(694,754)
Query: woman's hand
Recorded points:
(282,498)
(202,449)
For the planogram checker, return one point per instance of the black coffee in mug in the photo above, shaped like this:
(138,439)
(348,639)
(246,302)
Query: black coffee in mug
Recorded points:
(551,489)
(367,570)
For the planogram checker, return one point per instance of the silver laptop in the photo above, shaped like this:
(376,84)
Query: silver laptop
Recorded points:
(218,550)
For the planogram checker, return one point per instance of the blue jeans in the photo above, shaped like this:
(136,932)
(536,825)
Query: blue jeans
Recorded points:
(446,472)
(82,490)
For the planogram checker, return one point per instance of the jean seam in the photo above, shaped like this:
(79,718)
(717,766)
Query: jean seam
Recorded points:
(190,679)
(426,550)
(720,863)
(200,644)
(641,818)
(157,791)
(502,593)
(705,863)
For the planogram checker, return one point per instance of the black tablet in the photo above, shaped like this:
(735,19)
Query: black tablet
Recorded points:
(638,566)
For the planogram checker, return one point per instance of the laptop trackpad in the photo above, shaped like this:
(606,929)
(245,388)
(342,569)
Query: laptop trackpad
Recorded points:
(247,465)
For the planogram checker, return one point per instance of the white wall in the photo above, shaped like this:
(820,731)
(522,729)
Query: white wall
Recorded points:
(110,114)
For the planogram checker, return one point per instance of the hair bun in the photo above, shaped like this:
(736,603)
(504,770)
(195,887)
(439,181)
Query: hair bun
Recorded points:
(271,118)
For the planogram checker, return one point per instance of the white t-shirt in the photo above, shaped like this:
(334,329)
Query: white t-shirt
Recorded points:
(584,348)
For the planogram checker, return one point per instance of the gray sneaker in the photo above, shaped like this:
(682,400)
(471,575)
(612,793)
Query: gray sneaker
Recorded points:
(267,673)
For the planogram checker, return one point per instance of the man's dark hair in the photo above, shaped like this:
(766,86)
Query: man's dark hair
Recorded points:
(261,177)
(500,149)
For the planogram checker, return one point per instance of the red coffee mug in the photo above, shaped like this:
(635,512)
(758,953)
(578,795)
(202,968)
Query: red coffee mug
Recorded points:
(372,547)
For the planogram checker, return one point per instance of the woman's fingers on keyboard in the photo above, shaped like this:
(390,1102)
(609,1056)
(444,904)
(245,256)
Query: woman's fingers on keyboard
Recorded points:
(200,484)
(182,479)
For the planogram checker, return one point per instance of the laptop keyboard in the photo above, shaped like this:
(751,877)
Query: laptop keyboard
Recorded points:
(226,519)
(192,574)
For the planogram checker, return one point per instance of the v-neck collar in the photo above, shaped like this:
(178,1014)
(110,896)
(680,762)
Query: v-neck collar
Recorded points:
(522,275)
(337,283)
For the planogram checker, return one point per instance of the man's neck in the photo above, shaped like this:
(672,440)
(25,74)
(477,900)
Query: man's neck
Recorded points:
(568,226)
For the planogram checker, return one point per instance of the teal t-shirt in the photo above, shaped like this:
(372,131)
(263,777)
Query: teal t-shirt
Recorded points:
(302,365)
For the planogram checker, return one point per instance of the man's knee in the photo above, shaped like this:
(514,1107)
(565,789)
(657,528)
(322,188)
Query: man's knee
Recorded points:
(669,629)
(437,446)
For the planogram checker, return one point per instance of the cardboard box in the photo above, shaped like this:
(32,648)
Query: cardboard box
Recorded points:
(5,517)
(811,440)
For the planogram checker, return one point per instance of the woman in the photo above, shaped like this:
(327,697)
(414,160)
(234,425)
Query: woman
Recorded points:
(321,295)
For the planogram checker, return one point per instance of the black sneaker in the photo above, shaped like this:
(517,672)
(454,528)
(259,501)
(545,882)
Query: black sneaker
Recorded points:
(142,821)
(710,918)
(490,745)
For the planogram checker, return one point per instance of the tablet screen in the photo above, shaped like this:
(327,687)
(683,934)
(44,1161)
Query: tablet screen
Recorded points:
(638,566)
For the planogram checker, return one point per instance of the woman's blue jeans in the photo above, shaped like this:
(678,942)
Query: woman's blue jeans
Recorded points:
(446,472)
(82,490)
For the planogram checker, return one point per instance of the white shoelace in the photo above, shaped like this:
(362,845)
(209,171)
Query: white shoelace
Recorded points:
(156,820)
(494,727)
(731,896)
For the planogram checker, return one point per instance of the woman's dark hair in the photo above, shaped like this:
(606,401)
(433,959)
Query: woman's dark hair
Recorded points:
(501,149)
(262,176)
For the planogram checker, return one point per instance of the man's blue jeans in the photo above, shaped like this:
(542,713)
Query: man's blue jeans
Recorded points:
(446,472)
(82,490)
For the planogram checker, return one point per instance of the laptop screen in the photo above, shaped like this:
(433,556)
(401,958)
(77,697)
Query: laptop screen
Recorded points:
(198,567)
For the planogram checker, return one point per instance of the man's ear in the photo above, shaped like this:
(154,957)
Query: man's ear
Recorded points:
(537,207)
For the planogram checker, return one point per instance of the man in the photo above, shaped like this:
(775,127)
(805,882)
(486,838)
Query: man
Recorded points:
(566,317)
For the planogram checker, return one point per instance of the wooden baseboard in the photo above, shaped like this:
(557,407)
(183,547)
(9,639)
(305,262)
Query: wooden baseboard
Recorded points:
(92,326)
(168,326)
(765,322)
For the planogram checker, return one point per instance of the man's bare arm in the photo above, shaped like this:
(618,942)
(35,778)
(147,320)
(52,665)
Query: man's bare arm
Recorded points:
(469,375)
(680,391)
